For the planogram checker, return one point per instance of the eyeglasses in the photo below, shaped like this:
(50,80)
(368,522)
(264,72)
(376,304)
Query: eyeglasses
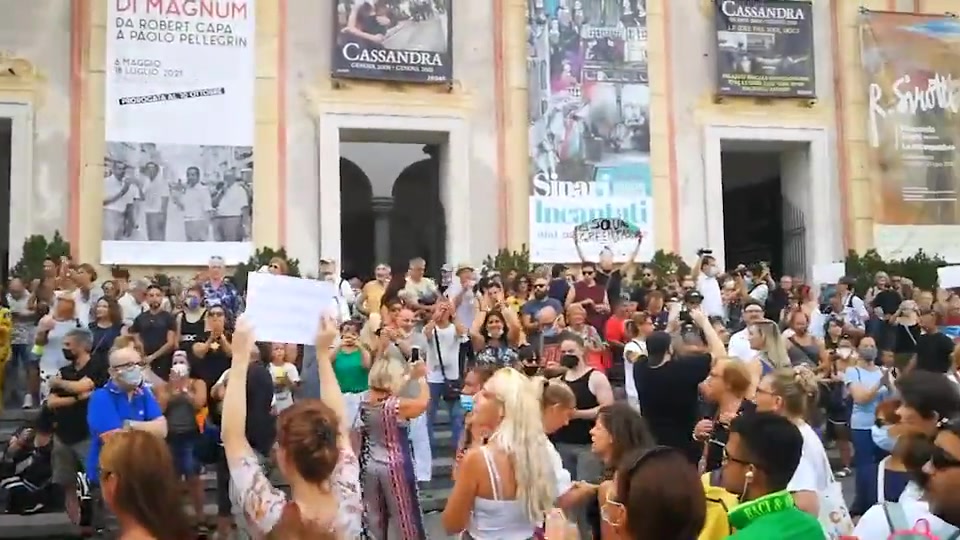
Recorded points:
(606,510)
(728,458)
(129,365)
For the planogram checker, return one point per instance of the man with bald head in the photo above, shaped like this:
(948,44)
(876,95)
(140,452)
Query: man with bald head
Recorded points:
(123,403)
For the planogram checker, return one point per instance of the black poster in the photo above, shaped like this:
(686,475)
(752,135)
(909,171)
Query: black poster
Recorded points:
(393,40)
(765,48)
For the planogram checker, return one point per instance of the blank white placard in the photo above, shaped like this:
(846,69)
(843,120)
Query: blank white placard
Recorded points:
(948,276)
(285,309)
(829,273)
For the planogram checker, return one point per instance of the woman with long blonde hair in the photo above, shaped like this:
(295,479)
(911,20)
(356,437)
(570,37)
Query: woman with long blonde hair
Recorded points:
(504,488)
(771,347)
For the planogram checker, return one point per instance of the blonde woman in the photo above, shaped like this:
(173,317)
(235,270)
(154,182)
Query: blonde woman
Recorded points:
(387,478)
(505,487)
(771,347)
(790,392)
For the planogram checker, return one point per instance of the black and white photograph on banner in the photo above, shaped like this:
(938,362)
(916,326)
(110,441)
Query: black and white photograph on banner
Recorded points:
(765,48)
(395,40)
(177,193)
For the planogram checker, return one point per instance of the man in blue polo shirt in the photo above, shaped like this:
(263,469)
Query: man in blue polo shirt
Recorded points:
(122,403)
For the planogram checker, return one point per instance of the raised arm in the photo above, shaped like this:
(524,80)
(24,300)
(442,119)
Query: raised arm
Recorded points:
(329,387)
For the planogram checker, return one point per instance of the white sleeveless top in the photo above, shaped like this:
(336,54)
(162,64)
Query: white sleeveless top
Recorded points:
(497,519)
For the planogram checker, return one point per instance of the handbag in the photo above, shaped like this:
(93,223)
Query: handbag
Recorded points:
(451,388)
(834,516)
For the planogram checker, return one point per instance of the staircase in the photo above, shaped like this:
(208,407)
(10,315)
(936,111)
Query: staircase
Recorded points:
(54,526)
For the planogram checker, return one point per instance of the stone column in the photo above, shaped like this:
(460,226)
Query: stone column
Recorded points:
(382,206)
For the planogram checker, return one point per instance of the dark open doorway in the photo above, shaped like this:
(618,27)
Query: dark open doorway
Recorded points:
(753,209)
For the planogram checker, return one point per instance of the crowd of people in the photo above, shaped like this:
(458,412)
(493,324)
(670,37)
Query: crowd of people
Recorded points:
(604,401)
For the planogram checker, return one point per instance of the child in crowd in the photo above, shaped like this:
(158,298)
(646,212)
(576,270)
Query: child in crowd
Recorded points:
(285,377)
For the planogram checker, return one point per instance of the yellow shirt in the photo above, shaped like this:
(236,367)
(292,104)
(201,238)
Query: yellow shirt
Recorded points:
(6,329)
(373,294)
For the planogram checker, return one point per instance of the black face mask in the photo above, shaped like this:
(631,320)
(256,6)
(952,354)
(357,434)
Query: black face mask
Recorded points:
(569,361)
(530,370)
(69,355)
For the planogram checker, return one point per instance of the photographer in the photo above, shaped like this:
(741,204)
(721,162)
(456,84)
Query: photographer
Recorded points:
(706,272)
(667,380)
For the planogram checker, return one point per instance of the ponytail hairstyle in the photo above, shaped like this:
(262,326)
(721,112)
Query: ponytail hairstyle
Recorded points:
(555,392)
(798,387)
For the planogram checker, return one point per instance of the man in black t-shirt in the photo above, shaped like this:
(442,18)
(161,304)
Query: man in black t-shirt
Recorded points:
(65,413)
(934,348)
(157,331)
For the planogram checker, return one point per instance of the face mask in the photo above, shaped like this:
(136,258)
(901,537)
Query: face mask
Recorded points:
(712,271)
(69,355)
(466,402)
(748,281)
(569,361)
(180,370)
(868,353)
(132,376)
(193,302)
(881,438)
(530,371)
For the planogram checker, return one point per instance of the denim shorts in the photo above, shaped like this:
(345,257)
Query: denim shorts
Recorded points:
(184,456)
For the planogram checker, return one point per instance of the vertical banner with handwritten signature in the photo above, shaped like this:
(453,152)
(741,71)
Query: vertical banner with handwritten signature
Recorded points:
(911,66)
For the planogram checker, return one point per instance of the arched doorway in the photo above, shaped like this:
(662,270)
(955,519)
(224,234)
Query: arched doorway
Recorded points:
(417,222)
(356,221)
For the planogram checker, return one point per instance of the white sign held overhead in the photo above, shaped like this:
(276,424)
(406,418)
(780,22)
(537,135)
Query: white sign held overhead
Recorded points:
(828,274)
(285,309)
(948,277)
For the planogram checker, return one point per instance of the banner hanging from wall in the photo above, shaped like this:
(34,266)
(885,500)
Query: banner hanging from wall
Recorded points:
(765,48)
(911,66)
(589,112)
(178,169)
(392,40)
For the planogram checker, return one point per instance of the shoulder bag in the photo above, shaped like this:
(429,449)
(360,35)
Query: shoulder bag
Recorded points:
(451,387)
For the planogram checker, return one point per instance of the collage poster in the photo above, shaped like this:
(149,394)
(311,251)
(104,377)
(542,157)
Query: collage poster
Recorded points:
(589,128)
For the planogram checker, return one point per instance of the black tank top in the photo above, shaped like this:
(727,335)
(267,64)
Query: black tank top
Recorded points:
(578,430)
(190,333)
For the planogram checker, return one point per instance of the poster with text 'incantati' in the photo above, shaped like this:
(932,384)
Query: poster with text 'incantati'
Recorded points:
(589,113)
(178,168)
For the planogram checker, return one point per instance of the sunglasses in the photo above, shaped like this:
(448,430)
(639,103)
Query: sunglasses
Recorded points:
(588,273)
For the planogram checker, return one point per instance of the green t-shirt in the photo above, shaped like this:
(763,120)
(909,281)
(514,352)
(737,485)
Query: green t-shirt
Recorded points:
(348,367)
(773,516)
